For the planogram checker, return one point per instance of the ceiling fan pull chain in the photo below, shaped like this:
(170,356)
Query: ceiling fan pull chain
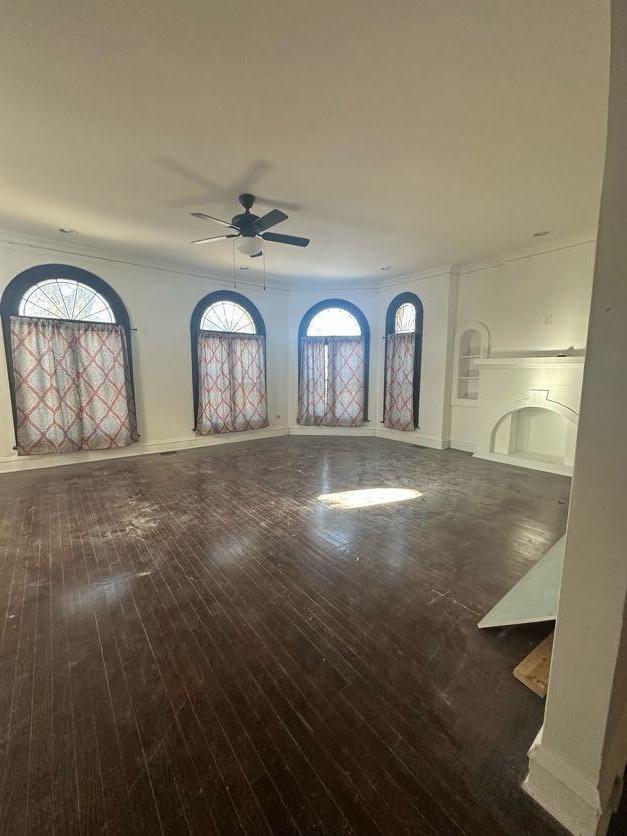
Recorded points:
(234,281)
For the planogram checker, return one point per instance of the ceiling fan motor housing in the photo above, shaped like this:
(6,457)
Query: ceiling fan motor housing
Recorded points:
(245,221)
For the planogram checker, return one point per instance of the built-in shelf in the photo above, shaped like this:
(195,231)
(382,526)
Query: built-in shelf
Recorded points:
(472,344)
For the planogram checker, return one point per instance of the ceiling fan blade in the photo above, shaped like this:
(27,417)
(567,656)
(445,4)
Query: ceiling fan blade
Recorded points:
(272,218)
(214,238)
(285,239)
(204,217)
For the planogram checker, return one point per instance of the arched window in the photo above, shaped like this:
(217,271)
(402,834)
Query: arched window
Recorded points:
(405,318)
(403,356)
(61,298)
(333,361)
(228,364)
(67,340)
(334,322)
(226,315)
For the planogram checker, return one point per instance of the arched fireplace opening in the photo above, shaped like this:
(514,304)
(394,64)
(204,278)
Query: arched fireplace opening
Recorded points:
(535,434)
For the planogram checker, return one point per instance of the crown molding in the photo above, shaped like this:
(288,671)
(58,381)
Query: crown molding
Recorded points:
(11,240)
(420,275)
(373,284)
(527,252)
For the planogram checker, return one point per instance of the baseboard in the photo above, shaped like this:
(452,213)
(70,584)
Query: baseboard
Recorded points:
(10,464)
(364,430)
(416,438)
(371,430)
(465,446)
(530,464)
(567,795)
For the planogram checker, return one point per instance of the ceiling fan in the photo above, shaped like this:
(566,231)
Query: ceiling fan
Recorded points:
(250,228)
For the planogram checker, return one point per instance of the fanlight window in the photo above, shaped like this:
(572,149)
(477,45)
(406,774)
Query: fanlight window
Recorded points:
(65,299)
(334,322)
(405,319)
(227,316)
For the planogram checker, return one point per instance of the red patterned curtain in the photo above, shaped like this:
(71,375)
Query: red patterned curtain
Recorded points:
(399,390)
(346,385)
(231,383)
(72,386)
(332,381)
(312,383)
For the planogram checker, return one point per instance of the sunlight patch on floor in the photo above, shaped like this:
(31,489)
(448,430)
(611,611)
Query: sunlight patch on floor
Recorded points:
(365,497)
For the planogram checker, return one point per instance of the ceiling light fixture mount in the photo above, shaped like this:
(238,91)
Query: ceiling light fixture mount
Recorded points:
(66,230)
(541,233)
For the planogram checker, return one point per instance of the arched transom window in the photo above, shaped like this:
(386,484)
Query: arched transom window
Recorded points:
(334,322)
(226,315)
(405,319)
(59,298)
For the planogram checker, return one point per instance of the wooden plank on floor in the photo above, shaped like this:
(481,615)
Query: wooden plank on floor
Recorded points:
(534,669)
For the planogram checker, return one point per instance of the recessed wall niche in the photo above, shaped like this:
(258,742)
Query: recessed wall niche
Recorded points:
(473,343)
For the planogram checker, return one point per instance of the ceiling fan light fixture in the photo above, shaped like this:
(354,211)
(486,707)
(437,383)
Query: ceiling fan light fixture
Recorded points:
(249,246)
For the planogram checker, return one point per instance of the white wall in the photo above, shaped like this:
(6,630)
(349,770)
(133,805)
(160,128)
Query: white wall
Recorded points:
(531,304)
(160,304)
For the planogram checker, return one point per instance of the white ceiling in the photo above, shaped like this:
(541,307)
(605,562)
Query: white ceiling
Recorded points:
(409,133)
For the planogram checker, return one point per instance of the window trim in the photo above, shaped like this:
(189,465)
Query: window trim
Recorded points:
(365,333)
(20,284)
(390,325)
(194,324)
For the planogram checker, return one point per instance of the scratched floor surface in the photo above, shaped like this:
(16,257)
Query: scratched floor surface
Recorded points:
(199,643)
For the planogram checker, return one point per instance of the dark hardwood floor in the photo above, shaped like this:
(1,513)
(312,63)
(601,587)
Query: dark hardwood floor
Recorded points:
(197,643)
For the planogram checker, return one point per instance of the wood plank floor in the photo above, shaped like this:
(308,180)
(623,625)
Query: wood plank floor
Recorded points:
(196,643)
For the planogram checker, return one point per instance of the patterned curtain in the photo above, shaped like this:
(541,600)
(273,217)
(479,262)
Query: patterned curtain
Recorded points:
(72,386)
(399,375)
(332,381)
(231,383)
(312,382)
(346,388)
